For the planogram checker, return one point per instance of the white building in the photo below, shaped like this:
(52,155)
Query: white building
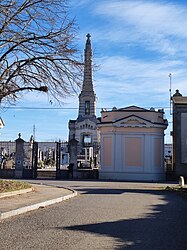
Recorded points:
(132,144)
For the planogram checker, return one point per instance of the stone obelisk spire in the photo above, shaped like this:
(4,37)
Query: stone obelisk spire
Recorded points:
(87,97)
(87,82)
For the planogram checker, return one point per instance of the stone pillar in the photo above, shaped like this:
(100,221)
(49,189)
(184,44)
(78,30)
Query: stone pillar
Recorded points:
(179,134)
(73,156)
(19,157)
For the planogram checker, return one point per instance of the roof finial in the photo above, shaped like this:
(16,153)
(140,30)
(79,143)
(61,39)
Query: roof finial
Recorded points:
(88,38)
(177,93)
(88,35)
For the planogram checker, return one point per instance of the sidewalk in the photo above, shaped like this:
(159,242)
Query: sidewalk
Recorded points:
(41,196)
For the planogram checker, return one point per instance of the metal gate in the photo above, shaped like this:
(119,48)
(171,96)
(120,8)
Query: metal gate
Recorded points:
(7,159)
(40,160)
(30,161)
(50,160)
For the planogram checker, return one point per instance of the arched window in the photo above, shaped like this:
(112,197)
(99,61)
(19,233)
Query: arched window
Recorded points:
(87,107)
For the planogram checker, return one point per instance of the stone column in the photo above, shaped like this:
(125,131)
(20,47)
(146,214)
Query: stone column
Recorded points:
(19,157)
(73,156)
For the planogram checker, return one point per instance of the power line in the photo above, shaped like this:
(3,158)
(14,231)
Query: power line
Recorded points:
(42,108)
(60,108)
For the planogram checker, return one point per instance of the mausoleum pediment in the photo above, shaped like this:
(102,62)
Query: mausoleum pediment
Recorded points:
(133,121)
(132,108)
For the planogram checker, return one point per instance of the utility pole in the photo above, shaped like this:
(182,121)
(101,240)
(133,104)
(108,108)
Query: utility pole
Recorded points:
(170,82)
(34,132)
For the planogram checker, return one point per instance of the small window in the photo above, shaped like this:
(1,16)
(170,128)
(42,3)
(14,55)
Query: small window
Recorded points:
(87,107)
(87,140)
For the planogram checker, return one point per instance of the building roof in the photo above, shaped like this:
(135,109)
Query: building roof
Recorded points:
(133,116)
(177,98)
(72,121)
(132,108)
(136,118)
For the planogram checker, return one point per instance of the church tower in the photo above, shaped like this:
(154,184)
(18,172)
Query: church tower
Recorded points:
(84,128)
(87,97)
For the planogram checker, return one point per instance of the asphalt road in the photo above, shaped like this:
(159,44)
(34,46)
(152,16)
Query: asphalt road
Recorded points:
(106,215)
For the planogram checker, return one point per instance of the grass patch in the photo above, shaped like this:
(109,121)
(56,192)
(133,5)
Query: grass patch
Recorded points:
(9,186)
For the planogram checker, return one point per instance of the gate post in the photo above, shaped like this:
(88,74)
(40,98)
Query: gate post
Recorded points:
(73,156)
(19,157)
(58,159)
(35,159)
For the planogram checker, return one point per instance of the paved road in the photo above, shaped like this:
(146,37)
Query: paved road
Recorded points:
(106,215)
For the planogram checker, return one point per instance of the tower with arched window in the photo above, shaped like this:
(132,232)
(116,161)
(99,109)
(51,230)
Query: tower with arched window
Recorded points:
(84,128)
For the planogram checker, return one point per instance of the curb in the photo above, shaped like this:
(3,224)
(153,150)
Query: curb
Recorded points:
(17,192)
(43,204)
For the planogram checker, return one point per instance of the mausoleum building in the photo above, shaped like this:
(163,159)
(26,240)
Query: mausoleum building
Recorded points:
(132,144)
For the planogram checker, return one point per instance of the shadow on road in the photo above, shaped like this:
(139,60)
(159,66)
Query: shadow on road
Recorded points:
(163,228)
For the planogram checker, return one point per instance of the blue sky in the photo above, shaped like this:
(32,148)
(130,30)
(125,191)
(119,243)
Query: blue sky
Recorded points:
(136,44)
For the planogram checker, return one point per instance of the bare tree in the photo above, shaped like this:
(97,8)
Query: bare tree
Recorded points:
(37,50)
